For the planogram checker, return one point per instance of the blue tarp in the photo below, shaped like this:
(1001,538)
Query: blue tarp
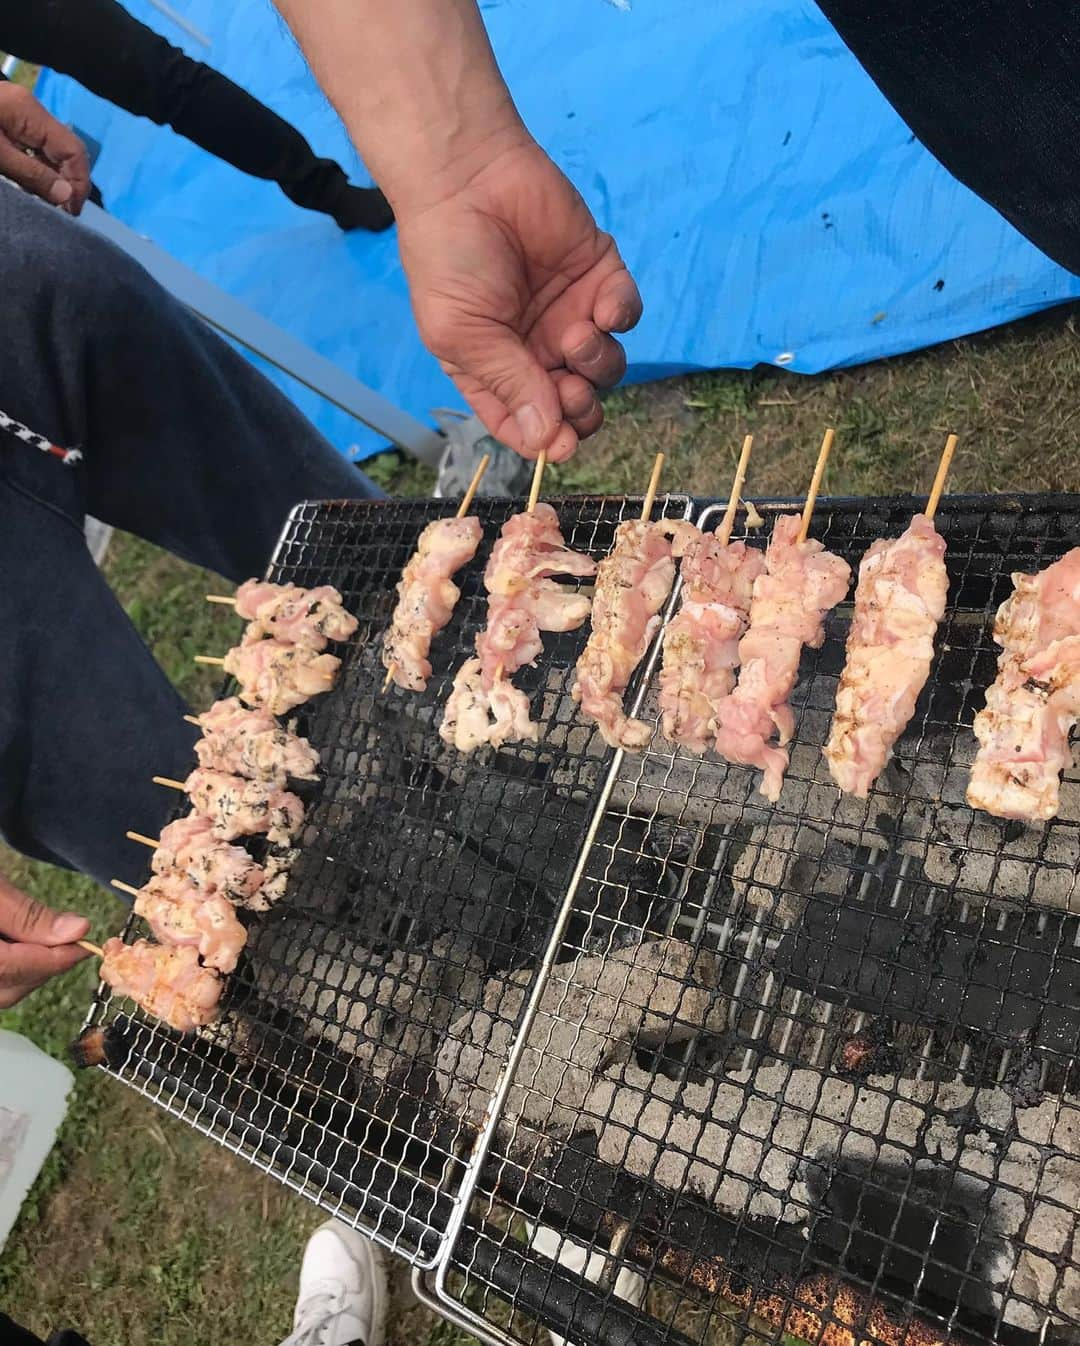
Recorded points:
(772,206)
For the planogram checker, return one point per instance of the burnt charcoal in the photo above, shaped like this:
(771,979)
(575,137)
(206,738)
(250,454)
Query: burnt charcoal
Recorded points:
(915,1227)
(1019,980)
(1023,1081)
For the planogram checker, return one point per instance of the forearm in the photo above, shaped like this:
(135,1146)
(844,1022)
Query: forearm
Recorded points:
(417,86)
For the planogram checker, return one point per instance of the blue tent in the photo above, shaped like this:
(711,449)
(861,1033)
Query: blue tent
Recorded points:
(772,206)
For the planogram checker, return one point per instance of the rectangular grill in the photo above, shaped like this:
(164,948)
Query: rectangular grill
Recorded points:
(803,1068)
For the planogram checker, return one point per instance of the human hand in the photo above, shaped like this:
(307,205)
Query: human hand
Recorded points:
(36,943)
(58,170)
(516,292)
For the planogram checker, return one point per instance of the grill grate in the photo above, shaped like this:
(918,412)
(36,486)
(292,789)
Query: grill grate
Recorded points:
(884,1084)
(420,874)
(796,1067)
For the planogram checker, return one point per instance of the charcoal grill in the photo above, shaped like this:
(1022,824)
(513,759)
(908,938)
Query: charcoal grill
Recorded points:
(605,1044)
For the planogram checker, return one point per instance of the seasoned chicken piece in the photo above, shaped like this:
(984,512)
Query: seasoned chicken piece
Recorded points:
(632,585)
(184,916)
(523,601)
(189,847)
(307,617)
(278,677)
(1031,708)
(801,584)
(899,601)
(701,643)
(242,808)
(252,743)
(427,597)
(474,716)
(169,983)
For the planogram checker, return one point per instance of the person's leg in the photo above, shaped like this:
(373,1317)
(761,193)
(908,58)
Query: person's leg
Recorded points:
(343,1292)
(99,44)
(11,1334)
(183,443)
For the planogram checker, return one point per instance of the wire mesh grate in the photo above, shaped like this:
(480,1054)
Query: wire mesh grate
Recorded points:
(419,876)
(810,1068)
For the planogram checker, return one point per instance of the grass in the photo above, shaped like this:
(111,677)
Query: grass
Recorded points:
(140,1230)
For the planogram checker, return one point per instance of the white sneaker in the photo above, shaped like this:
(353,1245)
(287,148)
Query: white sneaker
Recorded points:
(343,1291)
(629,1285)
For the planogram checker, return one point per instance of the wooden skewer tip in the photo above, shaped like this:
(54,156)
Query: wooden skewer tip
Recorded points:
(167,780)
(389,677)
(467,498)
(815,481)
(95,949)
(538,475)
(654,484)
(221,598)
(124,887)
(193,719)
(209,659)
(938,487)
(143,840)
(728,521)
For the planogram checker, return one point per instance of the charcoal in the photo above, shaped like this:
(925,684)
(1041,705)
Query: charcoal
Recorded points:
(594,1010)
(796,1146)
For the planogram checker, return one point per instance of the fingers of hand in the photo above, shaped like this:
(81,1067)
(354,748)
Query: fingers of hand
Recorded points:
(618,303)
(588,351)
(580,404)
(26,920)
(26,966)
(59,170)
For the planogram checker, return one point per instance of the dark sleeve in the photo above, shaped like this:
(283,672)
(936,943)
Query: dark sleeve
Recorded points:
(992,89)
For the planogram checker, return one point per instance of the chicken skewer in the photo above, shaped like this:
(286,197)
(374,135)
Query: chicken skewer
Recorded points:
(182,916)
(276,676)
(238,807)
(189,847)
(633,582)
(307,617)
(1034,702)
(252,743)
(801,584)
(523,601)
(701,643)
(427,595)
(899,601)
(169,983)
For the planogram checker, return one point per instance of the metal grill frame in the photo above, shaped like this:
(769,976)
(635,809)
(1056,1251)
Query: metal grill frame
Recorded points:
(479,1177)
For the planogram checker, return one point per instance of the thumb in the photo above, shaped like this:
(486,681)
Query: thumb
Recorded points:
(27,921)
(33,174)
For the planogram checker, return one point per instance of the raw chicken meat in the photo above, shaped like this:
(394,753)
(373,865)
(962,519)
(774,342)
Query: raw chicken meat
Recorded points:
(701,643)
(189,847)
(277,677)
(252,743)
(899,601)
(802,583)
(1034,702)
(181,915)
(240,808)
(168,983)
(427,597)
(307,617)
(632,584)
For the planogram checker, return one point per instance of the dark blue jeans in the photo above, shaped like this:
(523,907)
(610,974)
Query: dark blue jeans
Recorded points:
(184,444)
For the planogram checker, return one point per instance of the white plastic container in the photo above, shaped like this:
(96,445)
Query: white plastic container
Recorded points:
(33,1100)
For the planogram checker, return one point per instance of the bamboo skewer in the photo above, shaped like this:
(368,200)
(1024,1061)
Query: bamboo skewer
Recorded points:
(462,510)
(538,475)
(650,494)
(221,598)
(124,887)
(95,949)
(942,473)
(172,784)
(209,659)
(143,840)
(815,482)
(191,719)
(728,521)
